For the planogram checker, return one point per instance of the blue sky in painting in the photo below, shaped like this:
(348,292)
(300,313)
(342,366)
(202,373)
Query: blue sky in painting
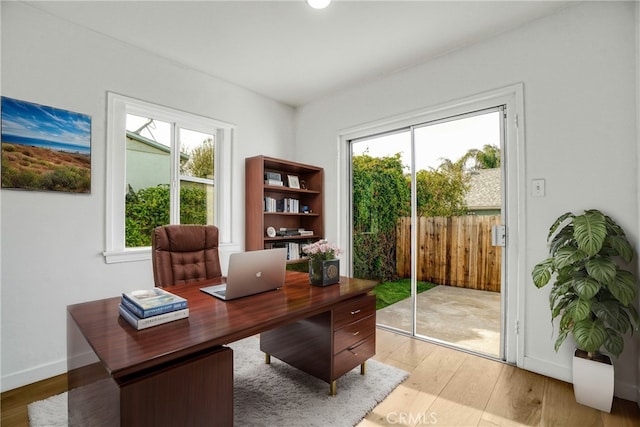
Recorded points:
(33,124)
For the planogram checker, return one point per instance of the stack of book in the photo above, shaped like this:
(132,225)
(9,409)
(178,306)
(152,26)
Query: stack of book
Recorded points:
(151,307)
(288,231)
(273,178)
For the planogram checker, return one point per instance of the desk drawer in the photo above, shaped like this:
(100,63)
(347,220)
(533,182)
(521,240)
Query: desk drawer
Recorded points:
(353,333)
(353,356)
(353,310)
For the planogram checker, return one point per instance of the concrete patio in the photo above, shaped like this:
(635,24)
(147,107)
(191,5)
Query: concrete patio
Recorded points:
(466,318)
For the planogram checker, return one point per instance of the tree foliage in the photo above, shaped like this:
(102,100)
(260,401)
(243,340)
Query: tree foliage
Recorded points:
(441,192)
(201,161)
(381,194)
(487,158)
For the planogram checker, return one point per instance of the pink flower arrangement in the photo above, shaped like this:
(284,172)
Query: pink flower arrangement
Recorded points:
(321,250)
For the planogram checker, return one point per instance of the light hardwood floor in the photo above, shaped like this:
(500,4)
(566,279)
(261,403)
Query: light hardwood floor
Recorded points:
(445,388)
(452,388)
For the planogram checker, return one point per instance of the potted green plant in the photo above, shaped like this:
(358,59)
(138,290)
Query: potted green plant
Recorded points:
(593,294)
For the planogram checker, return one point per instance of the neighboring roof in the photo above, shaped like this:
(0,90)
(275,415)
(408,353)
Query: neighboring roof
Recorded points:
(485,189)
(150,142)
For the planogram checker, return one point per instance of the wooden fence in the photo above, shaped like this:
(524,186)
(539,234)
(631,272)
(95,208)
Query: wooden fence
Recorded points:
(454,251)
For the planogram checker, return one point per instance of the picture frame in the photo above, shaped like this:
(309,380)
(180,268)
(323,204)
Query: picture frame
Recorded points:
(293,181)
(44,148)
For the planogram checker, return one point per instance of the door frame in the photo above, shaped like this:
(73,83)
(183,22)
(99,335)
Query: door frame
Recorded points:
(514,267)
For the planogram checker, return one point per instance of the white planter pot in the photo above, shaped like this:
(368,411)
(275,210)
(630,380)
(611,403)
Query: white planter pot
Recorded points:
(593,381)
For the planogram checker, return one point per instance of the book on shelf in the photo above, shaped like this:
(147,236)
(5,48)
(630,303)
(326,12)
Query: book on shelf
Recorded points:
(148,322)
(293,251)
(288,205)
(270,204)
(273,182)
(283,232)
(152,302)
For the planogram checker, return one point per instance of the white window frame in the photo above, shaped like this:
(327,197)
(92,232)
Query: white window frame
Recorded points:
(118,106)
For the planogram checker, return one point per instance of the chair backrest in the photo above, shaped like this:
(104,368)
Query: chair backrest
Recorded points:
(184,253)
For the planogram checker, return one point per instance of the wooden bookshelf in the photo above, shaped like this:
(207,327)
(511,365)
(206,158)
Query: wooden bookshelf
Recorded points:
(311,194)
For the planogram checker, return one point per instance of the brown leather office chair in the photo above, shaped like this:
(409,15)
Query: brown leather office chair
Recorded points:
(184,253)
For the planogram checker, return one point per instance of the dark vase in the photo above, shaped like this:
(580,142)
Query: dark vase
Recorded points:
(324,272)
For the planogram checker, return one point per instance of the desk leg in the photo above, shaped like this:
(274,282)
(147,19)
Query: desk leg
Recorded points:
(363,368)
(332,388)
(191,393)
(94,397)
(267,358)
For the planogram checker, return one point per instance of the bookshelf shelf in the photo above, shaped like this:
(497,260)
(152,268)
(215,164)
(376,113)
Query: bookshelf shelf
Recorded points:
(291,213)
(283,189)
(288,238)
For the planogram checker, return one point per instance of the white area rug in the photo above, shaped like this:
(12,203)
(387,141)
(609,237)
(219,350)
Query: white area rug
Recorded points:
(276,394)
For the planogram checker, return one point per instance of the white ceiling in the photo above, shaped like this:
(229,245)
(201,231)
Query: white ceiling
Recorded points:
(291,52)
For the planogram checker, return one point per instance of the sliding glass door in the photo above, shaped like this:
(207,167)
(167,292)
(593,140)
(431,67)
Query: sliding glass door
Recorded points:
(425,200)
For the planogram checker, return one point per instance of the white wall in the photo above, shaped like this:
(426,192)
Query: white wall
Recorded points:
(578,68)
(52,243)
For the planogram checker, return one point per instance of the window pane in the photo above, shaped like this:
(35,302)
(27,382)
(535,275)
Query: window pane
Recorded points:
(148,174)
(197,155)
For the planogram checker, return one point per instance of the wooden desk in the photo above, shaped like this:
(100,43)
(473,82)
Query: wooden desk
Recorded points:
(179,373)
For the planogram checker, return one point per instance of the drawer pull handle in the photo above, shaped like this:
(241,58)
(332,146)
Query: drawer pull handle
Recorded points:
(355,312)
(356,333)
(354,347)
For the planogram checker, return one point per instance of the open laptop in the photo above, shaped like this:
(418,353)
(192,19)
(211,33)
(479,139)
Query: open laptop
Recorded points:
(251,273)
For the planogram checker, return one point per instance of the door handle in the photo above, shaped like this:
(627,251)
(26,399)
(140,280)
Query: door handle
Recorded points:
(498,235)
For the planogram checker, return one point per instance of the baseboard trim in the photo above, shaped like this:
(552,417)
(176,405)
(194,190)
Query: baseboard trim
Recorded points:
(626,390)
(32,375)
(544,367)
(623,389)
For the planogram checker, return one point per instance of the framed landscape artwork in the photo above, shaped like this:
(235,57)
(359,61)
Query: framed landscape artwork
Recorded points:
(45,148)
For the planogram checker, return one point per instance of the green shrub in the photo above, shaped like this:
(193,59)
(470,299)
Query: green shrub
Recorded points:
(381,194)
(193,205)
(149,207)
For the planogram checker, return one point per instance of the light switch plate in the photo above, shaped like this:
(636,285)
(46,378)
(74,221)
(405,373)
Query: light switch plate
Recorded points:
(537,188)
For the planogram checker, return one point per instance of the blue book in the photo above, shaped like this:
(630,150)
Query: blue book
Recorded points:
(152,302)
(148,322)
